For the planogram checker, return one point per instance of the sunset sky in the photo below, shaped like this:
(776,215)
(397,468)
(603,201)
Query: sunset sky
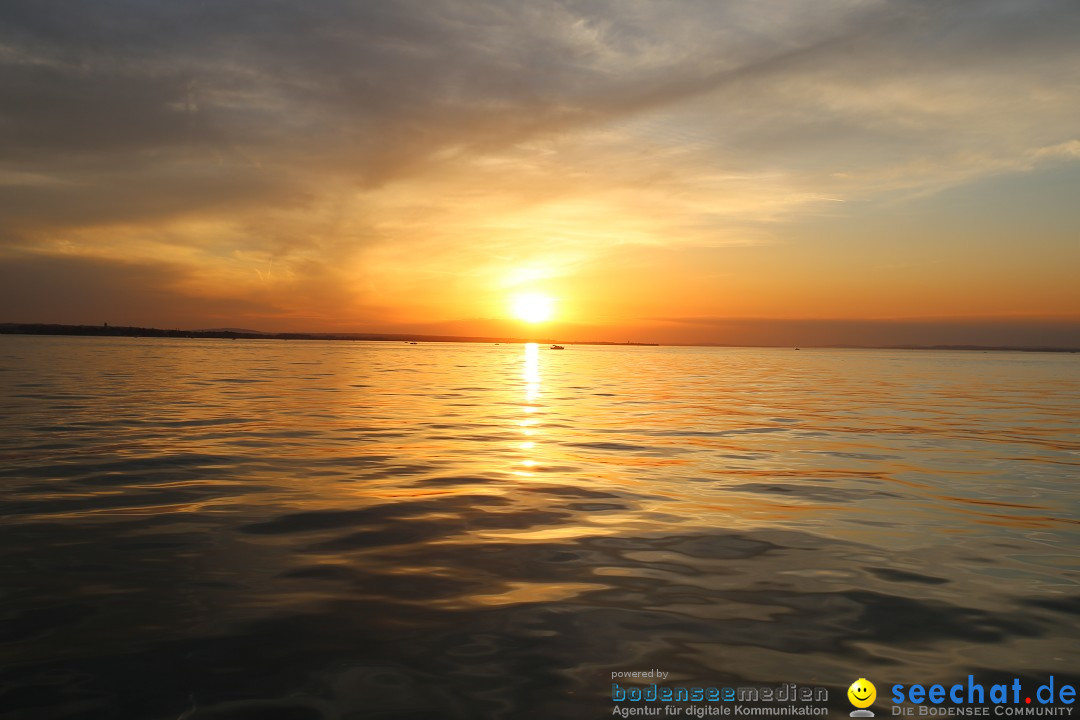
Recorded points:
(849,171)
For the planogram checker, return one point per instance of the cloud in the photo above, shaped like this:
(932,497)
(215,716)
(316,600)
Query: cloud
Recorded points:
(93,291)
(1011,332)
(78,289)
(1069,149)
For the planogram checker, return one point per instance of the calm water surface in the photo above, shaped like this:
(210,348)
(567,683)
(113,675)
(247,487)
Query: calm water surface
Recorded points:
(208,529)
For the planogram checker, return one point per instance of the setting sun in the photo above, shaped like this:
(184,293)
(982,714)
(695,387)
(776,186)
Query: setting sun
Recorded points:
(533,307)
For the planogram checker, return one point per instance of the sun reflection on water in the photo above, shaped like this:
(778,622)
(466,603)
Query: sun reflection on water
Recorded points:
(531,375)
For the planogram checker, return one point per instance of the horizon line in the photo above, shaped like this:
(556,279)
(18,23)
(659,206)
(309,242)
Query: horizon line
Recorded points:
(106,330)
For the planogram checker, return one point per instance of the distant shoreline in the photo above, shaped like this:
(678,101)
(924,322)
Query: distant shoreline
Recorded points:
(239,334)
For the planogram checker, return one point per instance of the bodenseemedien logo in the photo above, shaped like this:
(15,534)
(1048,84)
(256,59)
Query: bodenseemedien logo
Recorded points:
(862,694)
(701,701)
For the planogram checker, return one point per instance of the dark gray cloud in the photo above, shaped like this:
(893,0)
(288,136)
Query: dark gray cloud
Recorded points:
(93,291)
(91,90)
(371,90)
(78,289)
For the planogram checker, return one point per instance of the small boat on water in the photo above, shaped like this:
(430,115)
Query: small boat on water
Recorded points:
(557,347)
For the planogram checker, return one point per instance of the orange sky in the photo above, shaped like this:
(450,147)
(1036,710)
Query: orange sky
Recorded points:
(863,172)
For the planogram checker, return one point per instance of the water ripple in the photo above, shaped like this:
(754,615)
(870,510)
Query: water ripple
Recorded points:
(255,529)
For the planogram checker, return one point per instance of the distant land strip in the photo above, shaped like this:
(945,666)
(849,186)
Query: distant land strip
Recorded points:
(241,334)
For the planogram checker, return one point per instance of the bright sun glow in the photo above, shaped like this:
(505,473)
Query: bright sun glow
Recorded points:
(533,307)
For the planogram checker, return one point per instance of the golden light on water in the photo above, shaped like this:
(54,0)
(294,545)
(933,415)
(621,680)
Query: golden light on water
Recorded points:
(531,375)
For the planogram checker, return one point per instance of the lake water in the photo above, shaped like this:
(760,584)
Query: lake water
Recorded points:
(207,529)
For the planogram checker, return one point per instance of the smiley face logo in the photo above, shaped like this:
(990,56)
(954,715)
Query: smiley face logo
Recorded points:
(862,693)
